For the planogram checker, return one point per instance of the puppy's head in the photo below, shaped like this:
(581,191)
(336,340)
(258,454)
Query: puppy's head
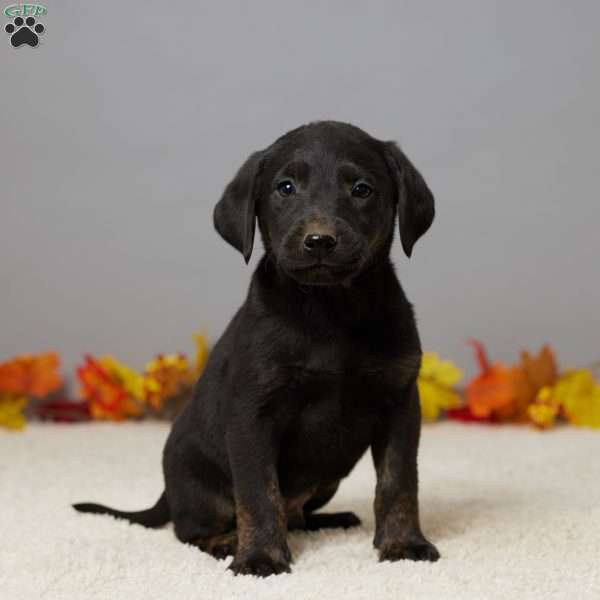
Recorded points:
(326,197)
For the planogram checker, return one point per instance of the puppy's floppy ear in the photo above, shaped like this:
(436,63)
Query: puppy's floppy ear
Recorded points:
(235,213)
(415,200)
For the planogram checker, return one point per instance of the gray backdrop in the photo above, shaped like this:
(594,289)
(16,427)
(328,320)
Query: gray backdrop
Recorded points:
(119,132)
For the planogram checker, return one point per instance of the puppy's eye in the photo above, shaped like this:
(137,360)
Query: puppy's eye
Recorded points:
(286,188)
(362,190)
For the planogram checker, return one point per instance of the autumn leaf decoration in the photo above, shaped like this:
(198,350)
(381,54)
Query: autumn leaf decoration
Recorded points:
(500,393)
(115,391)
(575,395)
(24,377)
(436,382)
(110,388)
(530,391)
(493,389)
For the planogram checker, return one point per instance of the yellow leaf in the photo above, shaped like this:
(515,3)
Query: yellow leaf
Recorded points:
(436,380)
(578,394)
(201,352)
(132,381)
(542,415)
(11,411)
(168,375)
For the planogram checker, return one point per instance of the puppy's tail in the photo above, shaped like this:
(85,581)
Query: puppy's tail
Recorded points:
(157,516)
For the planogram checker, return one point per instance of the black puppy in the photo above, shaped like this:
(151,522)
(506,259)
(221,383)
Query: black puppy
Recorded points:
(319,364)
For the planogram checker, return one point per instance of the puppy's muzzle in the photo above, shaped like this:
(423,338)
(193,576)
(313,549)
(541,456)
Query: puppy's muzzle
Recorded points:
(319,245)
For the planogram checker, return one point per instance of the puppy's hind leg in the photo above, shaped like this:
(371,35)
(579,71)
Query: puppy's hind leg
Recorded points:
(220,546)
(315,521)
(340,520)
(202,515)
(206,521)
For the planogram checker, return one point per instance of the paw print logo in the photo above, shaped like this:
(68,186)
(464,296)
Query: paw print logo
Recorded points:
(24,31)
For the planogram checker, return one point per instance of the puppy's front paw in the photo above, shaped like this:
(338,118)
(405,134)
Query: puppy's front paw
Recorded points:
(419,549)
(261,564)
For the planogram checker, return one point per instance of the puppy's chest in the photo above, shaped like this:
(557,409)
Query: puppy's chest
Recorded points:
(333,392)
(347,369)
(329,425)
(335,399)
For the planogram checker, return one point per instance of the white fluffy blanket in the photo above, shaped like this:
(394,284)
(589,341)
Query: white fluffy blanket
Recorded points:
(514,512)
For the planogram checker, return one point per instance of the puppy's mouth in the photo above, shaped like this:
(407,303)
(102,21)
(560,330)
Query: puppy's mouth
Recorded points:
(322,272)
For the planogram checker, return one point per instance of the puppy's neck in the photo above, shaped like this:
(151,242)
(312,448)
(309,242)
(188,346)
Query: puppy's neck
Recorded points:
(368,294)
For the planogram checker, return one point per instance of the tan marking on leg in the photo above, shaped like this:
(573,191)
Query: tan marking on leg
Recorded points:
(294,508)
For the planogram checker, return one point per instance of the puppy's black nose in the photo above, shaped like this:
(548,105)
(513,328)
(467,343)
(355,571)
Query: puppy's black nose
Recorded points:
(319,245)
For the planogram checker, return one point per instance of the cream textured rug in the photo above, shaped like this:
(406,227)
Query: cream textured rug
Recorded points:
(514,512)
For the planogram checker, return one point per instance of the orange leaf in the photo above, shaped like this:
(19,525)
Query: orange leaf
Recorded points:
(531,375)
(31,375)
(107,397)
(170,374)
(493,389)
